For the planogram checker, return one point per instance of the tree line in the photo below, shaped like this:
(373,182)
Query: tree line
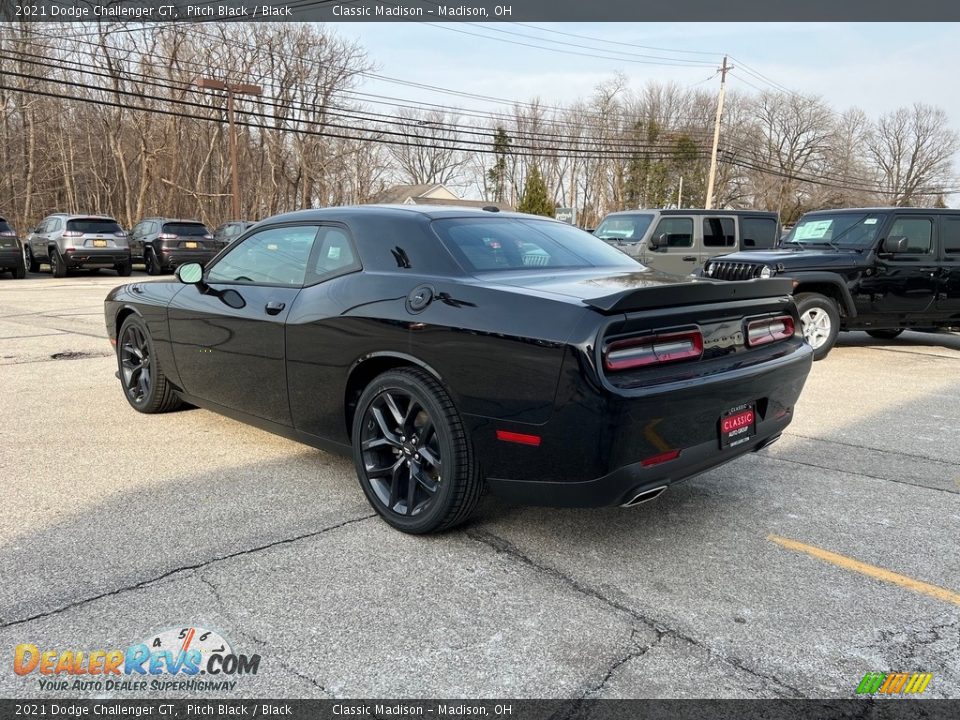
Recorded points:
(111,120)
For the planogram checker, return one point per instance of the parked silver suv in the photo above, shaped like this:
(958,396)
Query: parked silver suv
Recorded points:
(68,242)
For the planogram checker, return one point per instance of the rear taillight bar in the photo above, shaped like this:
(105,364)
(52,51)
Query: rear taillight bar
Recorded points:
(167,236)
(652,350)
(768,330)
(7,233)
(72,233)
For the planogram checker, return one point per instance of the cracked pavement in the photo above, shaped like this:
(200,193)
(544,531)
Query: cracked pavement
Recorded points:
(115,526)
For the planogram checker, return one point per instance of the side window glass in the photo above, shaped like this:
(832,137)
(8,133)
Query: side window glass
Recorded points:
(918,231)
(277,256)
(334,254)
(758,232)
(718,232)
(678,232)
(950,237)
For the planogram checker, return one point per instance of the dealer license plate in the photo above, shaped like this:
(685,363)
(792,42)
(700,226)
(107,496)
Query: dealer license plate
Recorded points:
(738,425)
(99,243)
(190,245)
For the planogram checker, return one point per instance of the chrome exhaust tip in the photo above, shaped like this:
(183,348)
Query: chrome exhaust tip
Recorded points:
(645,496)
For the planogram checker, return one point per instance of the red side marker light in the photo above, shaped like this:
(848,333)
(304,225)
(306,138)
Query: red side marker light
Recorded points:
(661,458)
(521,438)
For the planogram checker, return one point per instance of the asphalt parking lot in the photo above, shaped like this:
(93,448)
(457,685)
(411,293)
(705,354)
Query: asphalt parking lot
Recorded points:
(789,573)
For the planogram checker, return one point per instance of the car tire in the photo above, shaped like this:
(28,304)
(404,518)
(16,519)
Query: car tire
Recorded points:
(406,428)
(124,269)
(885,334)
(144,384)
(819,322)
(152,263)
(19,272)
(28,260)
(58,268)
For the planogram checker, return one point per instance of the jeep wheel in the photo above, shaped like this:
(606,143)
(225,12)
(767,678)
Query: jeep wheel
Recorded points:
(19,272)
(58,268)
(819,322)
(32,265)
(153,265)
(124,269)
(884,334)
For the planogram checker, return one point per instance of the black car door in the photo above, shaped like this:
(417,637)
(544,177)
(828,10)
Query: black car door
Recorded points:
(228,331)
(948,300)
(906,282)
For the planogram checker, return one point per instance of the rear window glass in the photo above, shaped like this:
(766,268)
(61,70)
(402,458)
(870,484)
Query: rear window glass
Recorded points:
(624,227)
(93,225)
(5,226)
(185,229)
(758,232)
(719,232)
(490,244)
(951,235)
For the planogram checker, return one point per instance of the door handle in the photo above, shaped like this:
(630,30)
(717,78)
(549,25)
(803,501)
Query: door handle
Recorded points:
(689,258)
(275,307)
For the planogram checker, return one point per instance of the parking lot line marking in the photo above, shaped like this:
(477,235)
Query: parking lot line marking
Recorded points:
(878,573)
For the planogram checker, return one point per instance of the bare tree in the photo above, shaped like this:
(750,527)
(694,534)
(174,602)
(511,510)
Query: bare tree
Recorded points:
(433,154)
(913,148)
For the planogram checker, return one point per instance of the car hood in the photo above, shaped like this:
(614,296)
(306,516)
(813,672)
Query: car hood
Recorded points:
(620,291)
(797,259)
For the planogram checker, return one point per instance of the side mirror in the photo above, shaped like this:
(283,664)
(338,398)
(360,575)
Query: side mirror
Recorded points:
(657,241)
(749,242)
(894,244)
(190,273)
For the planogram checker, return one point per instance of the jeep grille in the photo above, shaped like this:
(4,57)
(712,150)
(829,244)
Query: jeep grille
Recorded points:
(724,270)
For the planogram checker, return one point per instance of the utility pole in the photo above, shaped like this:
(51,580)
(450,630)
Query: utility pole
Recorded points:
(716,134)
(232,89)
(680,194)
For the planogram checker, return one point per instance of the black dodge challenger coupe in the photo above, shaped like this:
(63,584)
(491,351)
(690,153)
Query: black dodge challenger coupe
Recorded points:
(451,349)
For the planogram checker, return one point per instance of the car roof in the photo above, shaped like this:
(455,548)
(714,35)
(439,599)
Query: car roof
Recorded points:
(170,219)
(690,211)
(92,216)
(887,209)
(433,212)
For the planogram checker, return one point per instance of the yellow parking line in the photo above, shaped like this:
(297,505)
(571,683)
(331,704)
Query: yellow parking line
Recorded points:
(873,571)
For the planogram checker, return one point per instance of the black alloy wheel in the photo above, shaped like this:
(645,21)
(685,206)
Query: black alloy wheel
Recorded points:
(412,454)
(144,384)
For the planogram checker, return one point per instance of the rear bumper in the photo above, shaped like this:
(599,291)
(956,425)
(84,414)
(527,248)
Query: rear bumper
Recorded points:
(175,258)
(11,258)
(602,449)
(92,257)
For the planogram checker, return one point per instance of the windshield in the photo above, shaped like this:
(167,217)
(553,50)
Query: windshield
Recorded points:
(840,230)
(94,225)
(624,227)
(5,226)
(185,229)
(489,244)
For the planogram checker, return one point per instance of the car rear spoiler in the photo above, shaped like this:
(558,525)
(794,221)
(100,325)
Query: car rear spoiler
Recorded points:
(697,292)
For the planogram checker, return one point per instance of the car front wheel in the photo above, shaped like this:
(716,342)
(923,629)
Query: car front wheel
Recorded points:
(144,384)
(413,456)
(819,322)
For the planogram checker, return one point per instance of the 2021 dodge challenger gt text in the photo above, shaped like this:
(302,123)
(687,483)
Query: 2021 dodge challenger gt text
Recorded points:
(450,350)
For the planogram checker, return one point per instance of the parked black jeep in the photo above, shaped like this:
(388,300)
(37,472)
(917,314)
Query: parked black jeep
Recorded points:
(876,269)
